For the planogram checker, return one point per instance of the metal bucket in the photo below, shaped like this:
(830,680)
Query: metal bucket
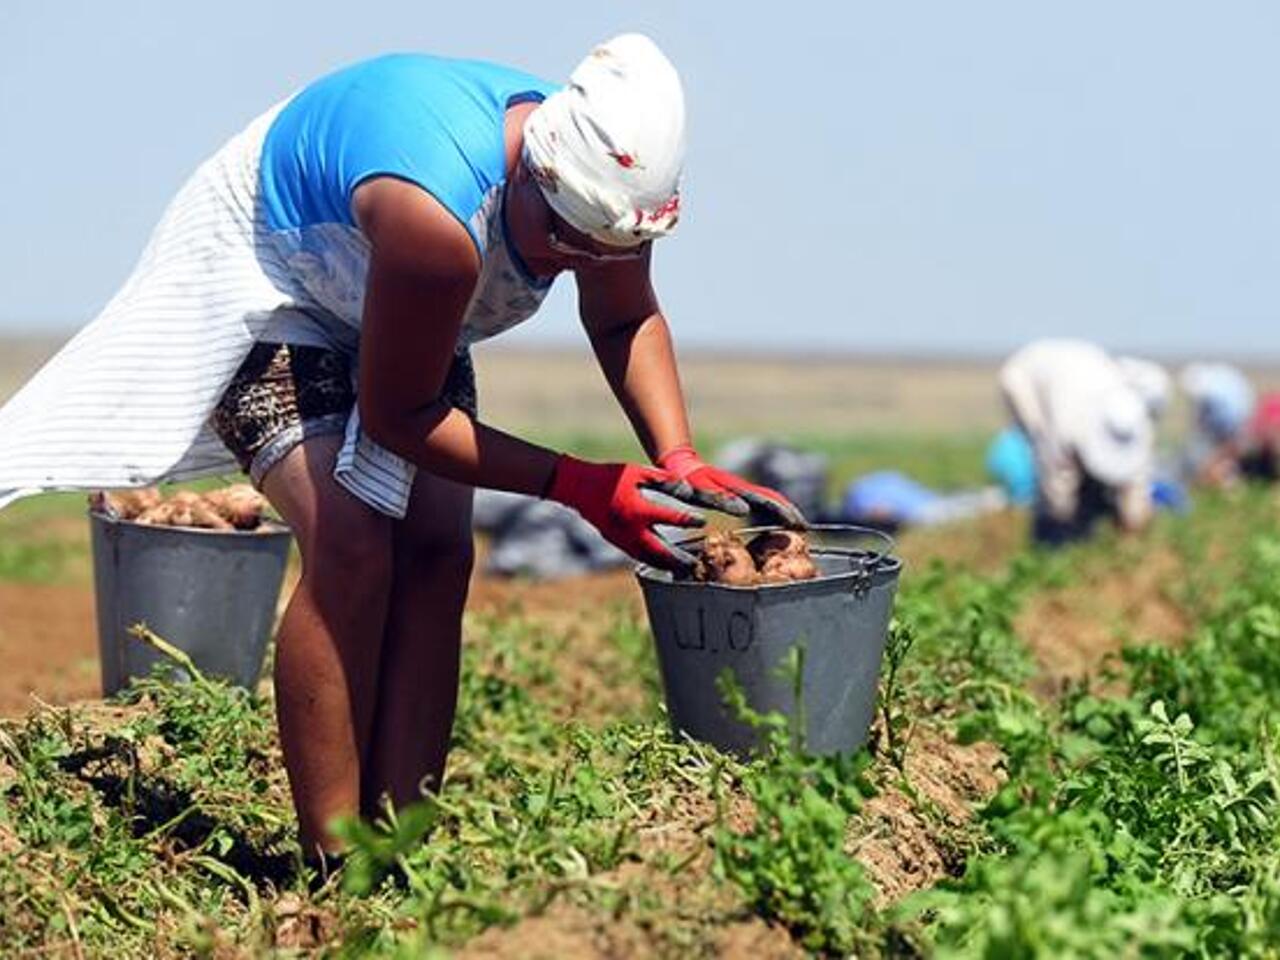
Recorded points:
(211,593)
(841,618)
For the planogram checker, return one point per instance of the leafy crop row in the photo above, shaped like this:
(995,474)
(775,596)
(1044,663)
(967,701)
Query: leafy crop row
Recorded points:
(1135,819)
(1145,823)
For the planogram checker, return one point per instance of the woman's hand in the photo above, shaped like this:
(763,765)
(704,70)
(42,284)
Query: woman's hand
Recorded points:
(725,491)
(633,344)
(610,496)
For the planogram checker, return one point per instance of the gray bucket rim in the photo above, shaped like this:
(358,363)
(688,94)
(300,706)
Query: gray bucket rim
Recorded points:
(882,565)
(265,530)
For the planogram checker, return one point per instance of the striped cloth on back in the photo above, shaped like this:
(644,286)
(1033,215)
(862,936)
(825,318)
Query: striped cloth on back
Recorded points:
(126,401)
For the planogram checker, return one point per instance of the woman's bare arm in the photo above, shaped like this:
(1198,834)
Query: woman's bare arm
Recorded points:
(423,270)
(633,346)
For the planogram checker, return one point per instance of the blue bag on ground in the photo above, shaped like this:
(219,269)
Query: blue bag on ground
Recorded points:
(888,498)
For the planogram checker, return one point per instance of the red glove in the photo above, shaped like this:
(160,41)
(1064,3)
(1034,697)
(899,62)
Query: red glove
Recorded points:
(722,490)
(609,497)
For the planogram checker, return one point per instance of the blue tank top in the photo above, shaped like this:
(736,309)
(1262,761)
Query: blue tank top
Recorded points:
(430,120)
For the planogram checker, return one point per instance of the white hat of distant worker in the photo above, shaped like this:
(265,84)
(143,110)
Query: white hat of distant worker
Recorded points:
(1114,442)
(1223,397)
(1150,380)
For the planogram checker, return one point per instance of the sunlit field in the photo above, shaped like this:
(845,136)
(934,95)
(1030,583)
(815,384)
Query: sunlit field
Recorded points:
(1074,754)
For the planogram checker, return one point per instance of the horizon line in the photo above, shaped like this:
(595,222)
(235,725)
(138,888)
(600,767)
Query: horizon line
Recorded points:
(803,353)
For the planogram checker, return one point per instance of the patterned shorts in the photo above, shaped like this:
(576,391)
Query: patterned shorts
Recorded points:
(286,393)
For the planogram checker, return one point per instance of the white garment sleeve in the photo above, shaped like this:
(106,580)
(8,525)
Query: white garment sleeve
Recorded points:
(1057,474)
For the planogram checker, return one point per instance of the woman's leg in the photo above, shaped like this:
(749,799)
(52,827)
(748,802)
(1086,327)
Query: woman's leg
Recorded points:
(418,677)
(328,646)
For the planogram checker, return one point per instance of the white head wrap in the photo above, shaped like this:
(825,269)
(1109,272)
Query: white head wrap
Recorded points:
(607,150)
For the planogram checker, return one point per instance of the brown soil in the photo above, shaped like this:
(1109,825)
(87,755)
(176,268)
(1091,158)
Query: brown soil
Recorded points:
(983,544)
(48,639)
(567,932)
(907,844)
(668,908)
(48,645)
(558,603)
(593,680)
(1074,631)
(9,842)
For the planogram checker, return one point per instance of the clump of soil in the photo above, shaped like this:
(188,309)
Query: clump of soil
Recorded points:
(237,507)
(780,556)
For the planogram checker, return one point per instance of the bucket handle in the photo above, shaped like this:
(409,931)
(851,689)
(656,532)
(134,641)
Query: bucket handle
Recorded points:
(844,529)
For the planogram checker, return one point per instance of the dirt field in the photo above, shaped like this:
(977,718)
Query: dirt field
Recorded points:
(573,825)
(745,394)
(47,635)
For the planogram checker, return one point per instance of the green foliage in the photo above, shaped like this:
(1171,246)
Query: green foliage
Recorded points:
(896,724)
(791,862)
(1136,819)
(34,561)
(1144,824)
(536,809)
(162,815)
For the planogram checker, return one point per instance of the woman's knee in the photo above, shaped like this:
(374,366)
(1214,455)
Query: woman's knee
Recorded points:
(439,556)
(434,541)
(340,537)
(351,546)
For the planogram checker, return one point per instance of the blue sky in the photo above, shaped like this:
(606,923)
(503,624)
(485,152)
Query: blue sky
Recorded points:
(937,176)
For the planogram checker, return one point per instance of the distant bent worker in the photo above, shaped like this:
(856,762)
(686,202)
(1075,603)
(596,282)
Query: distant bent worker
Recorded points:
(305,309)
(1262,459)
(1222,402)
(1091,433)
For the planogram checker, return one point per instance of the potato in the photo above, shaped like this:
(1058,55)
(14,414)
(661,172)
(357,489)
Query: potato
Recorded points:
(782,556)
(205,516)
(160,515)
(125,504)
(240,505)
(724,559)
(776,557)
(235,507)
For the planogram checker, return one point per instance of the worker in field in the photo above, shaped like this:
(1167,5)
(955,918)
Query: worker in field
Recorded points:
(1222,401)
(304,310)
(1091,435)
(1261,460)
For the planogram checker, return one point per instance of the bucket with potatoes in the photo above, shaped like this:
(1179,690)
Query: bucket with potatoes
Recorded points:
(754,596)
(201,570)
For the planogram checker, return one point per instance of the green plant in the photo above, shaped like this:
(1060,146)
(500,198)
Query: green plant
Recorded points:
(895,722)
(791,863)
